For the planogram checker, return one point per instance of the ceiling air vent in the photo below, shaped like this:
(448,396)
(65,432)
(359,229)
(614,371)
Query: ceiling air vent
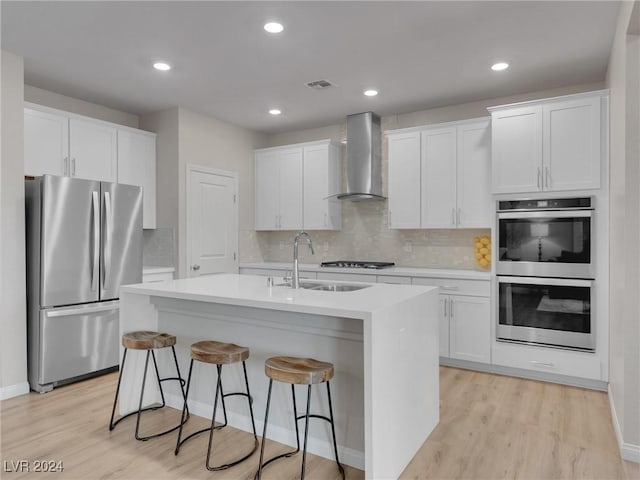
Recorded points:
(319,84)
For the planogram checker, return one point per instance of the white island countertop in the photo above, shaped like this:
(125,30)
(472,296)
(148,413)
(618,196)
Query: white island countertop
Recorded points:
(382,340)
(253,291)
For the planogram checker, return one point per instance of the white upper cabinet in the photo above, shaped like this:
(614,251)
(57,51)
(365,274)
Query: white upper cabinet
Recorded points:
(290,189)
(321,184)
(439,176)
(46,143)
(66,144)
(293,184)
(278,189)
(93,150)
(552,145)
(571,146)
(137,166)
(474,175)
(404,180)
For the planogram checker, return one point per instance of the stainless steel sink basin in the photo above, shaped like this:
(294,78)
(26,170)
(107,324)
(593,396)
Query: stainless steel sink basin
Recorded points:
(327,287)
(336,287)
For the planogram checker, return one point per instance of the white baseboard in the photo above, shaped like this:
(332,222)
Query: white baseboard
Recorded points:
(348,456)
(628,451)
(14,390)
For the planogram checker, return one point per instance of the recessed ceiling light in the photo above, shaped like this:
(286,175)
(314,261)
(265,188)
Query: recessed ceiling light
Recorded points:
(496,67)
(273,27)
(162,66)
(275,111)
(371,93)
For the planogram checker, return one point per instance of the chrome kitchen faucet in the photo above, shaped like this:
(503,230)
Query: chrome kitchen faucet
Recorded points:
(295,280)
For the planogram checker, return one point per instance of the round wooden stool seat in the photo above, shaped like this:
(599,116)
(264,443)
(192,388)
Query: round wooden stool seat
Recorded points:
(297,370)
(146,340)
(219,353)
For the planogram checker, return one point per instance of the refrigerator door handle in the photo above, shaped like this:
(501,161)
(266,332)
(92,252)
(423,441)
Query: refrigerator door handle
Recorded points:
(107,239)
(95,200)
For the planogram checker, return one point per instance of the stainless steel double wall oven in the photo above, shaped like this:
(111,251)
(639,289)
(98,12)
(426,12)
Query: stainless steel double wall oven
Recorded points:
(546,272)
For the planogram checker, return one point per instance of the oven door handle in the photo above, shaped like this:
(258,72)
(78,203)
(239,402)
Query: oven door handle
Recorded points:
(561,282)
(546,214)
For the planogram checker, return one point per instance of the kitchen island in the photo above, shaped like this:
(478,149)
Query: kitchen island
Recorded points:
(382,339)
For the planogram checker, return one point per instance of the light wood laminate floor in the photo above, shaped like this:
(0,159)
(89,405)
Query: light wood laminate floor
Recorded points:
(491,427)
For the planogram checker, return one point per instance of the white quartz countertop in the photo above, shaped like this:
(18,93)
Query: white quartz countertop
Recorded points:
(253,291)
(392,271)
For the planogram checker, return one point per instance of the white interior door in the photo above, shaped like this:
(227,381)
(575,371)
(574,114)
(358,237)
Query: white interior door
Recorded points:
(212,222)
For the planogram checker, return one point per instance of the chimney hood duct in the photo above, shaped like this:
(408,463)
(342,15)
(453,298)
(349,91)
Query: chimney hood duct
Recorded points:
(364,160)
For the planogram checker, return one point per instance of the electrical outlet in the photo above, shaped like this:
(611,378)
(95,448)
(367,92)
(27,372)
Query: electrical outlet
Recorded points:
(281,244)
(325,246)
(408,247)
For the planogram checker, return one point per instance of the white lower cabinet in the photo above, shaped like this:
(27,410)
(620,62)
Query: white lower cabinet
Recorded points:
(465,320)
(470,328)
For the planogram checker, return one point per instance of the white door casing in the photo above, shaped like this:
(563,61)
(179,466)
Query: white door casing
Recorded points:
(212,221)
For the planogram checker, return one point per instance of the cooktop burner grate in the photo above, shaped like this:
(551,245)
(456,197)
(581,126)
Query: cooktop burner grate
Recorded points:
(357,264)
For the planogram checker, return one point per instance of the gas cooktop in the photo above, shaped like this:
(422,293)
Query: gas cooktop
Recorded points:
(355,264)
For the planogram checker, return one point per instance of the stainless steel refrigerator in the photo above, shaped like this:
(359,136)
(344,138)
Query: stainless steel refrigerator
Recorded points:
(84,240)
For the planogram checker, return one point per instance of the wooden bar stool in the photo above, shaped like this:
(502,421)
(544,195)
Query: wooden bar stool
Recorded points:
(149,341)
(298,371)
(219,354)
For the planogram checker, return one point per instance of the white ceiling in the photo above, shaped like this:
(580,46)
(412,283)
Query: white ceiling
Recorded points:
(419,55)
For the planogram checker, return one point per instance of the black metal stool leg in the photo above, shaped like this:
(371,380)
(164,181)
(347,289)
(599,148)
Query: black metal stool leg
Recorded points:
(182,383)
(213,417)
(184,408)
(249,400)
(306,432)
(264,432)
(144,380)
(115,400)
(333,431)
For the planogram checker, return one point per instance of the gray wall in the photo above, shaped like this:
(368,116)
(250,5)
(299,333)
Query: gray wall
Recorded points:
(13,340)
(189,137)
(623,80)
(80,107)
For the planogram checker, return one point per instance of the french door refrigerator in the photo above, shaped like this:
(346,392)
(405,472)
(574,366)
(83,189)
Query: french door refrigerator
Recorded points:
(84,240)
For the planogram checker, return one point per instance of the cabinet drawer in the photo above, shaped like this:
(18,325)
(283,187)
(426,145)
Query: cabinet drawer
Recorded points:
(549,360)
(157,277)
(476,288)
(394,279)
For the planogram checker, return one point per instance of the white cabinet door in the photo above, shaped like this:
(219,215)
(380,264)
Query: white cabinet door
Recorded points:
(571,156)
(404,180)
(517,150)
(137,166)
(474,176)
(321,171)
(439,178)
(46,143)
(290,162)
(93,150)
(443,326)
(267,190)
(470,328)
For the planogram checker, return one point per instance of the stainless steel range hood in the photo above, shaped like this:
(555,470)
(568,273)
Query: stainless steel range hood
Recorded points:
(364,160)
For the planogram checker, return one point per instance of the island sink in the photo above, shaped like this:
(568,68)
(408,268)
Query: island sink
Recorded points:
(327,287)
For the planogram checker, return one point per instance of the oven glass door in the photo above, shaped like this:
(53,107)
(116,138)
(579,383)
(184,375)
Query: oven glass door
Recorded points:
(548,311)
(550,243)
